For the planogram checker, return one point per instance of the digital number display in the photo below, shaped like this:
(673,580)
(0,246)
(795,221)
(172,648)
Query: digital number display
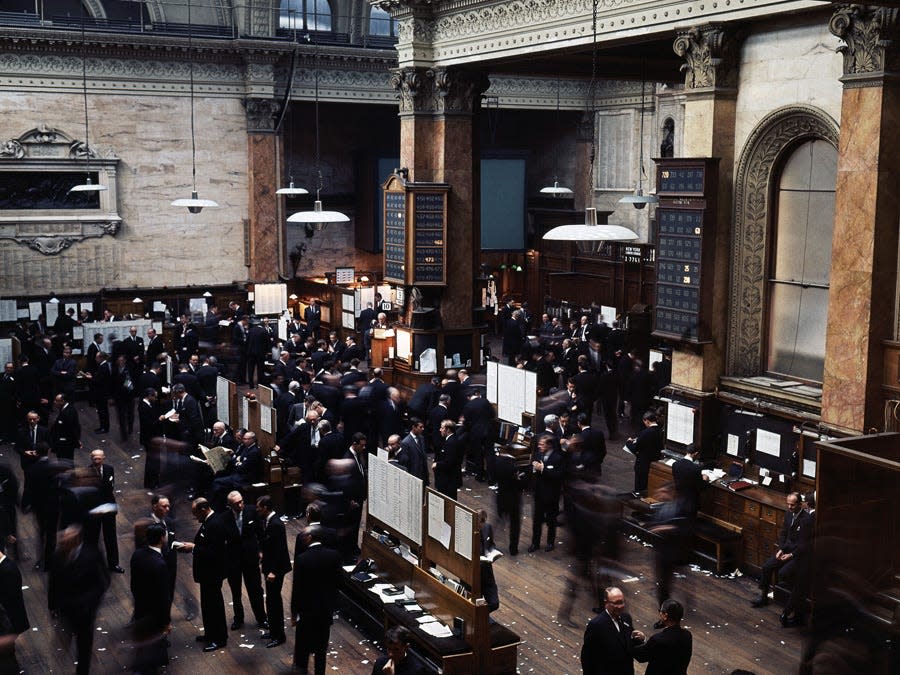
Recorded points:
(681,180)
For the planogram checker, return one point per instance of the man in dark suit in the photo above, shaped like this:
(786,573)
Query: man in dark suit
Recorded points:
(548,466)
(64,371)
(14,606)
(93,349)
(411,456)
(258,349)
(188,419)
(242,530)
(243,469)
(76,585)
(478,415)
(210,572)
(155,346)
(313,598)
(65,434)
(106,521)
(389,414)
(436,415)
(123,393)
(313,317)
(794,542)
(8,404)
(134,352)
(592,446)
(239,335)
(447,464)
(275,562)
(669,651)
(513,337)
(364,324)
(29,436)
(101,390)
(150,427)
(646,447)
(152,601)
(283,405)
(356,489)
(610,639)
(689,481)
(28,389)
(424,398)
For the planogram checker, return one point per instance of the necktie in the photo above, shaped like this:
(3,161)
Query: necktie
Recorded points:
(240,523)
(34,436)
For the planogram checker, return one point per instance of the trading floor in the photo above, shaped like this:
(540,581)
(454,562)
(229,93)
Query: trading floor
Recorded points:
(728,633)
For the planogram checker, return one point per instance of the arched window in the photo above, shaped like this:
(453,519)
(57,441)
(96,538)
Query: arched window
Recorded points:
(381,23)
(800,266)
(305,15)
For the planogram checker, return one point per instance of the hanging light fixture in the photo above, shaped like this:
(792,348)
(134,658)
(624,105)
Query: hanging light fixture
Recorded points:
(638,199)
(556,189)
(588,236)
(88,185)
(290,189)
(318,218)
(194,204)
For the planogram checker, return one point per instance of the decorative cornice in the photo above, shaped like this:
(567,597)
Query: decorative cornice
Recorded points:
(871,37)
(710,53)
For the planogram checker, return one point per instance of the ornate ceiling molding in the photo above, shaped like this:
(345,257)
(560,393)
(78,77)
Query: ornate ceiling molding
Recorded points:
(455,32)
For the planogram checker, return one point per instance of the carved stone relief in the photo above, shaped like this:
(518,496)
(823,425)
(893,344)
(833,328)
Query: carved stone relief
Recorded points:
(52,231)
(261,114)
(870,35)
(776,135)
(710,53)
(438,91)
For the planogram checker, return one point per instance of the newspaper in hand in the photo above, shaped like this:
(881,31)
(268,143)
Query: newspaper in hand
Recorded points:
(217,457)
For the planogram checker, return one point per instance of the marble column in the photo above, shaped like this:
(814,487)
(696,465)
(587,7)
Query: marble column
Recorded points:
(266,236)
(710,54)
(438,143)
(861,305)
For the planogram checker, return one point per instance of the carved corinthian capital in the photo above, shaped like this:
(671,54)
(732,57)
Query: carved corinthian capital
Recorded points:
(413,87)
(457,90)
(261,113)
(871,37)
(710,56)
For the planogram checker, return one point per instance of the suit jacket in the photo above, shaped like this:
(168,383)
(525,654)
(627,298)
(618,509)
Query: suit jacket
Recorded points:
(435,416)
(667,652)
(107,483)
(257,342)
(66,429)
(11,596)
(148,415)
(593,449)
(246,464)
(155,347)
(207,378)
(479,418)
(76,584)
(689,482)
(412,457)
(242,547)
(26,441)
(315,591)
(150,588)
(606,650)
(548,483)
(448,464)
(274,548)
(796,533)
(190,421)
(209,550)
(648,445)
(313,317)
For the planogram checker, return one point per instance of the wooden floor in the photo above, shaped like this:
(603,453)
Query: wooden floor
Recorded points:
(728,633)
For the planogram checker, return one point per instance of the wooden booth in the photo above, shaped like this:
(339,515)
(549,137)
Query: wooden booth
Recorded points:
(425,558)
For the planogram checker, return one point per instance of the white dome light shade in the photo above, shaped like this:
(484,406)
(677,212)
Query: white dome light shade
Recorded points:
(87,186)
(291,190)
(195,204)
(556,189)
(317,215)
(638,199)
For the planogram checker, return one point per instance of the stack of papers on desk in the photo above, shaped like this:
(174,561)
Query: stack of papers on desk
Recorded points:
(435,628)
(714,474)
(379,590)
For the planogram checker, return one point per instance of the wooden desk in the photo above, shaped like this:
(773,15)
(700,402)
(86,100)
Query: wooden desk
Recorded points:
(758,511)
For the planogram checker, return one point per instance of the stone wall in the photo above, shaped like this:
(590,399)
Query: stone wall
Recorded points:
(157,244)
(793,62)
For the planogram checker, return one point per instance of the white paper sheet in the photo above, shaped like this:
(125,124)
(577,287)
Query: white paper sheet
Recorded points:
(35,309)
(733,445)
(809,468)
(435,516)
(768,442)
(680,423)
(462,532)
